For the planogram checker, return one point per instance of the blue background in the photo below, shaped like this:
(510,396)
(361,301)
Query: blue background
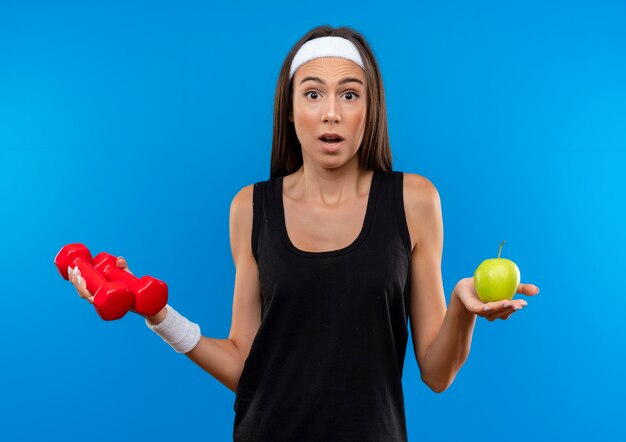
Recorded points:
(130,126)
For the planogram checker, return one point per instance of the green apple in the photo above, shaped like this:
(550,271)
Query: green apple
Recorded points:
(496,279)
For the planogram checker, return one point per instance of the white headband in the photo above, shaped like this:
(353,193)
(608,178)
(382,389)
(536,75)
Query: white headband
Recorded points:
(325,47)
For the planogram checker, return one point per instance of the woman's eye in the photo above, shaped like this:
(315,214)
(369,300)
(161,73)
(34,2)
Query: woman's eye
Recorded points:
(350,96)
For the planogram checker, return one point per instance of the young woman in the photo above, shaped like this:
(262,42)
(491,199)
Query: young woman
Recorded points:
(336,255)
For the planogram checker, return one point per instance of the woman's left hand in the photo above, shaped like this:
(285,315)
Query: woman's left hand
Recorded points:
(466,293)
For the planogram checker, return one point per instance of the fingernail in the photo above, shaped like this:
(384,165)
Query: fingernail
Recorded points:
(517,308)
(507,305)
(69,270)
(78,280)
(524,303)
(486,309)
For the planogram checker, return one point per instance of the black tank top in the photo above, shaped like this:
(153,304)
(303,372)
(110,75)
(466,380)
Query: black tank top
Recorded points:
(326,363)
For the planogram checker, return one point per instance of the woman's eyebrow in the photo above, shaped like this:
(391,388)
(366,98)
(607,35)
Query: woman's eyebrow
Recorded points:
(342,81)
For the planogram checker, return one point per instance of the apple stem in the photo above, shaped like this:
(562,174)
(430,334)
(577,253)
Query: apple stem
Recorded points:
(500,249)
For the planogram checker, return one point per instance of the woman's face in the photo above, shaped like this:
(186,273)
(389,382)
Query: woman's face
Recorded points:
(329,98)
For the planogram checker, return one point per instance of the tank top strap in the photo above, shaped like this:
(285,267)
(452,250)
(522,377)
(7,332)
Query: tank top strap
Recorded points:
(398,181)
(390,216)
(256,216)
(261,205)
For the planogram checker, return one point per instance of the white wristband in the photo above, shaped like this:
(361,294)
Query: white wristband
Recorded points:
(182,334)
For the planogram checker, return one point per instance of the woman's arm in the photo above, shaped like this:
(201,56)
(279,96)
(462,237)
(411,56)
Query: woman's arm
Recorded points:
(442,337)
(219,357)
(450,349)
(224,358)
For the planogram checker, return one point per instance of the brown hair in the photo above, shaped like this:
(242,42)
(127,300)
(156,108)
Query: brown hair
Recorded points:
(374,152)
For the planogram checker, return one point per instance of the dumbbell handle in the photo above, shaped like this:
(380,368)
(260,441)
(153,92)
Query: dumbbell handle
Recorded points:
(114,273)
(92,277)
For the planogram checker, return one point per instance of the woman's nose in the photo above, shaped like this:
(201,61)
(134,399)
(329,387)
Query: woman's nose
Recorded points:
(331,111)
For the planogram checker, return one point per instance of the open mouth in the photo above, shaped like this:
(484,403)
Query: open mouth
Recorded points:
(331,139)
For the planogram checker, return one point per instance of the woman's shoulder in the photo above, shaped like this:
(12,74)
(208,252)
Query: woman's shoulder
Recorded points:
(421,203)
(241,204)
(244,194)
(418,189)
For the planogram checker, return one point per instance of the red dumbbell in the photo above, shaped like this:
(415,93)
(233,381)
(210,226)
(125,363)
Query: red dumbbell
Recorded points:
(112,299)
(150,294)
